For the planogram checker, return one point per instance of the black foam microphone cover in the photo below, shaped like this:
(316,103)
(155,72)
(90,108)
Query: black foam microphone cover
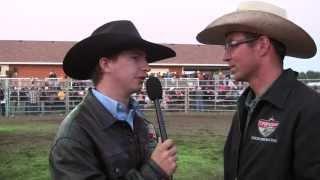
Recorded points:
(154,88)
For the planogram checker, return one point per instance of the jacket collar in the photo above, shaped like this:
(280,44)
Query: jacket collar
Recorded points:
(97,110)
(279,90)
(100,113)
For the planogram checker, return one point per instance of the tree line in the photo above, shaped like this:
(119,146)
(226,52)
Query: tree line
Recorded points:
(309,75)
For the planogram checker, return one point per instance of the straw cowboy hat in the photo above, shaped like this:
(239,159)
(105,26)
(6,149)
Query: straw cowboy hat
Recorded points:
(261,18)
(110,38)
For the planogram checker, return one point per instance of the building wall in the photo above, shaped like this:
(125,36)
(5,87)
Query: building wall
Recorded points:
(39,71)
(42,71)
(176,69)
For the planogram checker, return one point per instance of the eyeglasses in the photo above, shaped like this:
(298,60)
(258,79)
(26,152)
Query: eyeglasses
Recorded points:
(232,44)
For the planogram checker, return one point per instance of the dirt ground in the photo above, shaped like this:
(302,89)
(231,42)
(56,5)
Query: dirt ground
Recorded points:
(177,123)
(217,123)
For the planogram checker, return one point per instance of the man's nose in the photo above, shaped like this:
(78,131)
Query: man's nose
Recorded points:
(146,67)
(227,55)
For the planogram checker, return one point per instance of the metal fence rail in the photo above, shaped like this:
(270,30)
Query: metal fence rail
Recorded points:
(29,96)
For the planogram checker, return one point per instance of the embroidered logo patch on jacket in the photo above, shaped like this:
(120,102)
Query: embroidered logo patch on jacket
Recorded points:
(267,126)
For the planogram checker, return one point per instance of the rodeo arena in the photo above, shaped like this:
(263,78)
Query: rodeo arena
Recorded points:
(33,83)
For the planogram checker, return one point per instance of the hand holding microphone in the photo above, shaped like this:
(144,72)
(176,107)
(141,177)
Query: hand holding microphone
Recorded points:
(165,152)
(165,155)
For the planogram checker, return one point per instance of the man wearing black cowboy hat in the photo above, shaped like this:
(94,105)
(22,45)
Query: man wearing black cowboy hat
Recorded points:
(275,131)
(106,136)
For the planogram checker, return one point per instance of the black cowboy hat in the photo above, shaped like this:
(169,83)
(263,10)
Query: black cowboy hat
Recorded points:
(109,39)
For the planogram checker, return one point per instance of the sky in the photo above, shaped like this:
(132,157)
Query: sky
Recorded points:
(162,21)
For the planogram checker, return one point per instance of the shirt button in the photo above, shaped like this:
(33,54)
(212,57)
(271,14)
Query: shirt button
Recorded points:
(117,170)
(131,139)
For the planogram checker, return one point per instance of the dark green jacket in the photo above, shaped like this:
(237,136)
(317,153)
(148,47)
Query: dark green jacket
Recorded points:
(92,144)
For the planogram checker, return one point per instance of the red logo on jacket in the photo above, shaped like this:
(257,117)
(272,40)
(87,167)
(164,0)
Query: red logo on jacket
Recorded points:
(267,126)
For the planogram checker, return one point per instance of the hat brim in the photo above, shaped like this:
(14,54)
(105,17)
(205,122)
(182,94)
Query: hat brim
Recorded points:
(298,42)
(81,59)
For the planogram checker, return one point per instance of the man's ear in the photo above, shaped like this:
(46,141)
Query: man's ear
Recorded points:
(264,45)
(104,64)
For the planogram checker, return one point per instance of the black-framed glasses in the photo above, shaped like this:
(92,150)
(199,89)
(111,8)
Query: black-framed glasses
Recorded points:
(232,44)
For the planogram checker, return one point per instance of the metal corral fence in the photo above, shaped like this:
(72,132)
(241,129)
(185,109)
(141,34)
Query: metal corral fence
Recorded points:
(32,96)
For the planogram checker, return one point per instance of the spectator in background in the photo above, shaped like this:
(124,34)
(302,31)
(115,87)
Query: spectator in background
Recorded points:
(60,99)
(274,134)
(61,95)
(43,99)
(53,81)
(141,99)
(2,102)
(13,100)
(33,103)
(23,99)
(198,98)
(52,74)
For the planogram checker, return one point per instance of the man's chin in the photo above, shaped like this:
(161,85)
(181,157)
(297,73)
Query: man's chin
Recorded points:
(137,89)
(237,77)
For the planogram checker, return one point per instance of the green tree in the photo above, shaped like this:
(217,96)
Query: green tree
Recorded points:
(309,75)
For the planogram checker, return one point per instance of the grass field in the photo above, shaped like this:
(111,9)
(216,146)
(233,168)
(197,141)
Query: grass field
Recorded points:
(25,143)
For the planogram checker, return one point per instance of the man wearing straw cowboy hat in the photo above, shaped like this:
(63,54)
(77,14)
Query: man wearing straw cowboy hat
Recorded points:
(106,136)
(274,133)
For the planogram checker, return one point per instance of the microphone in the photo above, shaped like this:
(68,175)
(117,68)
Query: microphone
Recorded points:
(154,91)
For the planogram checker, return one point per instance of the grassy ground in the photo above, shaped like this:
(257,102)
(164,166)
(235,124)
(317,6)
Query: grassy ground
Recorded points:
(25,142)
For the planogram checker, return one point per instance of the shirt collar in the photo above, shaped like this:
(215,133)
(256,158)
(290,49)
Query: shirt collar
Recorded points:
(281,88)
(251,100)
(278,92)
(117,109)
